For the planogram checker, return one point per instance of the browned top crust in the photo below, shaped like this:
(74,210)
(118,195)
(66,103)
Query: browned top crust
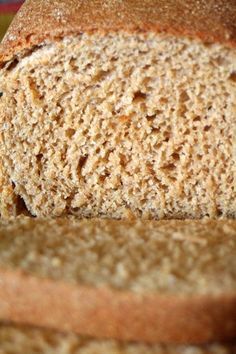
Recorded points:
(38,20)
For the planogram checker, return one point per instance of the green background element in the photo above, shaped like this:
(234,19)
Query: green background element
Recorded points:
(5,20)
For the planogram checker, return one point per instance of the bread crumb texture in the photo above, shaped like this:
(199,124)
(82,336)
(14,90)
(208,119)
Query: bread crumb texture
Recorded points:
(119,124)
(167,257)
(210,21)
(15,340)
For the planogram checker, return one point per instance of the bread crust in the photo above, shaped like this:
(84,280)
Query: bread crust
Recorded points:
(41,20)
(107,313)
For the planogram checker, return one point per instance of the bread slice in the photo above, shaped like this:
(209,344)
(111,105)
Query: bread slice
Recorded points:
(119,108)
(166,281)
(15,340)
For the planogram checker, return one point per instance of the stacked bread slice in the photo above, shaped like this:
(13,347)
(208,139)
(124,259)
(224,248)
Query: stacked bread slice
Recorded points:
(119,108)
(156,281)
(15,340)
(122,110)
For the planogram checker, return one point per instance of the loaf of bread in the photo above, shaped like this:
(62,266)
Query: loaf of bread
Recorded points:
(153,281)
(119,107)
(26,340)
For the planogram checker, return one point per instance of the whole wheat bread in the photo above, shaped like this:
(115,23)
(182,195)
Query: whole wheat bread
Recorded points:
(26,340)
(119,108)
(166,281)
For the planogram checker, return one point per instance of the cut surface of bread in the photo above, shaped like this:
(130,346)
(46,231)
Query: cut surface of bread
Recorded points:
(16,339)
(118,123)
(172,257)
(166,281)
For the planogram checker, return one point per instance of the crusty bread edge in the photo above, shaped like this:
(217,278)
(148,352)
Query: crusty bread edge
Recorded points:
(108,313)
(24,34)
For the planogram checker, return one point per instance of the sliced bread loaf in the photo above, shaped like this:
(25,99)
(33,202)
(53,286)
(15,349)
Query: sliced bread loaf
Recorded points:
(167,281)
(112,108)
(26,340)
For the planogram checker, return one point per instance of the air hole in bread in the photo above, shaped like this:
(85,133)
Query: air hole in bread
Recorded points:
(13,64)
(70,132)
(232,77)
(207,128)
(82,162)
(139,96)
